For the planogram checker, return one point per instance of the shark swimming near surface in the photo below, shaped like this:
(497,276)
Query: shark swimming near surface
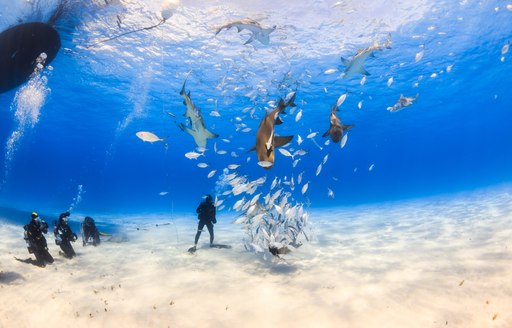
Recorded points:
(266,140)
(197,128)
(355,65)
(336,128)
(257,32)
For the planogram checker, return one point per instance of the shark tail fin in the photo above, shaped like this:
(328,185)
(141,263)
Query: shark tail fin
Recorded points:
(282,140)
(291,102)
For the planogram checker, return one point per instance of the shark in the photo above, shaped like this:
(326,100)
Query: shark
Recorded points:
(266,140)
(257,32)
(336,128)
(402,103)
(355,65)
(197,128)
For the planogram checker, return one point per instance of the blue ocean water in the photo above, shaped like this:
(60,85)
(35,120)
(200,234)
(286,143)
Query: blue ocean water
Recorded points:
(79,149)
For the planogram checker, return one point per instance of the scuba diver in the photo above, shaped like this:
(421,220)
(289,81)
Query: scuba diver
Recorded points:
(36,241)
(89,231)
(64,236)
(206,215)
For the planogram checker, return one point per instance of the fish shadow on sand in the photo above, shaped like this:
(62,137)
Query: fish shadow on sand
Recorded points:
(10,277)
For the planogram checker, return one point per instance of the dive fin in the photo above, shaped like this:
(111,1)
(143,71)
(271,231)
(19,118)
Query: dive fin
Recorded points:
(281,140)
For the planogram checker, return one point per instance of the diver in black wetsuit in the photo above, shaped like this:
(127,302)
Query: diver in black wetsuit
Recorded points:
(206,215)
(89,231)
(36,241)
(64,236)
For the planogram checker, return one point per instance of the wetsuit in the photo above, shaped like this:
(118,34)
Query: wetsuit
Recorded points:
(37,242)
(206,215)
(90,231)
(63,232)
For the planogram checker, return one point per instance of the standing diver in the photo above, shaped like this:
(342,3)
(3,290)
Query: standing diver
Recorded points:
(64,236)
(37,245)
(206,215)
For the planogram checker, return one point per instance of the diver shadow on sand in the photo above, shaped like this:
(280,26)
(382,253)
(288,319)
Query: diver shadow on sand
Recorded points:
(30,261)
(10,277)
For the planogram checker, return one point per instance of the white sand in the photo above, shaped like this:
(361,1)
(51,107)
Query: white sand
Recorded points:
(428,263)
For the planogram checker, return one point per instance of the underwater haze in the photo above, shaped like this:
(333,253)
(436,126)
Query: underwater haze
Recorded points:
(68,135)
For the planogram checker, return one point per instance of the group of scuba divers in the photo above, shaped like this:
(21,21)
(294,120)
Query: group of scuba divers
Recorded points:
(64,236)
(37,227)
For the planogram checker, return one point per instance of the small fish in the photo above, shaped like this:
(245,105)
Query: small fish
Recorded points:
(299,140)
(299,152)
(344,140)
(360,104)
(222,152)
(461,283)
(341,99)
(311,135)
(363,80)
(371,167)
(305,187)
(170,114)
(330,71)
(505,48)
(419,55)
(163,193)
(265,163)
(193,155)
(330,193)
(202,165)
(233,154)
(285,152)
(326,157)
(295,162)
(226,140)
(233,166)
(449,68)
(390,81)
(212,173)
(299,115)
(318,169)
(299,177)
(246,130)
(274,183)
(148,136)
(214,113)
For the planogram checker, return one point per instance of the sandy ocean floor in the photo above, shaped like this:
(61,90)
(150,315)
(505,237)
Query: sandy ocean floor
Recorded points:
(439,262)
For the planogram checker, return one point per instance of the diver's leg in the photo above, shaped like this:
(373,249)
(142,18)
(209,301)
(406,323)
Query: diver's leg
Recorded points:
(200,227)
(47,256)
(209,225)
(65,246)
(39,258)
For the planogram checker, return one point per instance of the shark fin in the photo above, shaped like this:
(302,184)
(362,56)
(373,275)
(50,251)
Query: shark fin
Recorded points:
(281,140)
(251,149)
(278,121)
(326,133)
(363,71)
(345,61)
(251,39)
(211,135)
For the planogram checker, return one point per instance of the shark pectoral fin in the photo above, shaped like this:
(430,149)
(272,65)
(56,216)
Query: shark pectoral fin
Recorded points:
(251,149)
(278,121)
(326,133)
(347,127)
(281,140)
(211,135)
(250,39)
(363,71)
(345,61)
